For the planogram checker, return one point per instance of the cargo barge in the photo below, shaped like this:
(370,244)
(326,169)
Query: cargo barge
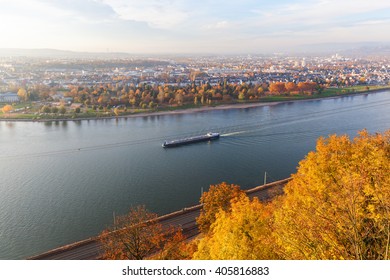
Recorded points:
(201,138)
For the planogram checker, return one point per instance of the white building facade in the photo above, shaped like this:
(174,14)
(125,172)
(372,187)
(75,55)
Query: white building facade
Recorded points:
(9,97)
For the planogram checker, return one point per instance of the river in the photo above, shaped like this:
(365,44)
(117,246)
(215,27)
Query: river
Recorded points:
(61,182)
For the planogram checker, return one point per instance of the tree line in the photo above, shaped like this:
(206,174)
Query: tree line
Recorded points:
(150,96)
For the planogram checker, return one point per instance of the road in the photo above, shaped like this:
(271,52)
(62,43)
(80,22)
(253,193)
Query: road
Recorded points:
(89,249)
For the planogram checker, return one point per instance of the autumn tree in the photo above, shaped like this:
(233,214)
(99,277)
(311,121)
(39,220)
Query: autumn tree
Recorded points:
(337,205)
(175,247)
(23,94)
(179,98)
(138,235)
(260,91)
(277,87)
(134,236)
(241,95)
(307,86)
(241,233)
(116,111)
(218,198)
(104,99)
(291,87)
(160,95)
(6,109)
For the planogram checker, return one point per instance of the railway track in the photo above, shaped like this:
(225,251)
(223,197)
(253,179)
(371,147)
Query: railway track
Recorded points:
(90,249)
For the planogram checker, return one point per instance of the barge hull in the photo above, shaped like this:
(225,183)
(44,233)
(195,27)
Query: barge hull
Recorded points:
(190,140)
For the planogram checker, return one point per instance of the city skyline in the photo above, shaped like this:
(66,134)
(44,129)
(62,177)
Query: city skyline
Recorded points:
(174,26)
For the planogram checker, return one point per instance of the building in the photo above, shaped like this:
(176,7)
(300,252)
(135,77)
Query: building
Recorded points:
(9,97)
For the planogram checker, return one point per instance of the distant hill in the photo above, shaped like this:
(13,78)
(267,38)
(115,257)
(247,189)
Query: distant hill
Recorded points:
(347,49)
(360,49)
(382,50)
(53,53)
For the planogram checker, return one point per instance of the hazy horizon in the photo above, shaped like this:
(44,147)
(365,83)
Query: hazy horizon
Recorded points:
(182,27)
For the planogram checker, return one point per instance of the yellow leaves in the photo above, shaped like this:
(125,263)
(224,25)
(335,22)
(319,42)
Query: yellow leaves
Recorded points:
(337,206)
(217,198)
(116,112)
(338,203)
(241,233)
(22,93)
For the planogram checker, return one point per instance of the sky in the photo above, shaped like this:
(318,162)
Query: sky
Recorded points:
(190,26)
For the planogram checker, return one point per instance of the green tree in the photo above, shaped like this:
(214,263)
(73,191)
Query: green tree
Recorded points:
(46,109)
(62,110)
(54,110)
(152,105)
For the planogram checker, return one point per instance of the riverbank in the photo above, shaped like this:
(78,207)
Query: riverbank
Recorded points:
(268,101)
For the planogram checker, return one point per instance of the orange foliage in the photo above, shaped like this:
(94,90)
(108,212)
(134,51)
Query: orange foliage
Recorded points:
(277,87)
(134,236)
(7,108)
(138,235)
(291,87)
(307,86)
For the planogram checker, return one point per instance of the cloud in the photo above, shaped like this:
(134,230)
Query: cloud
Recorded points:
(317,20)
(202,25)
(218,25)
(328,12)
(161,14)
(87,11)
(34,9)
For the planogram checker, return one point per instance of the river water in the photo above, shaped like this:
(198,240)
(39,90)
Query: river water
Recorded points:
(61,182)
